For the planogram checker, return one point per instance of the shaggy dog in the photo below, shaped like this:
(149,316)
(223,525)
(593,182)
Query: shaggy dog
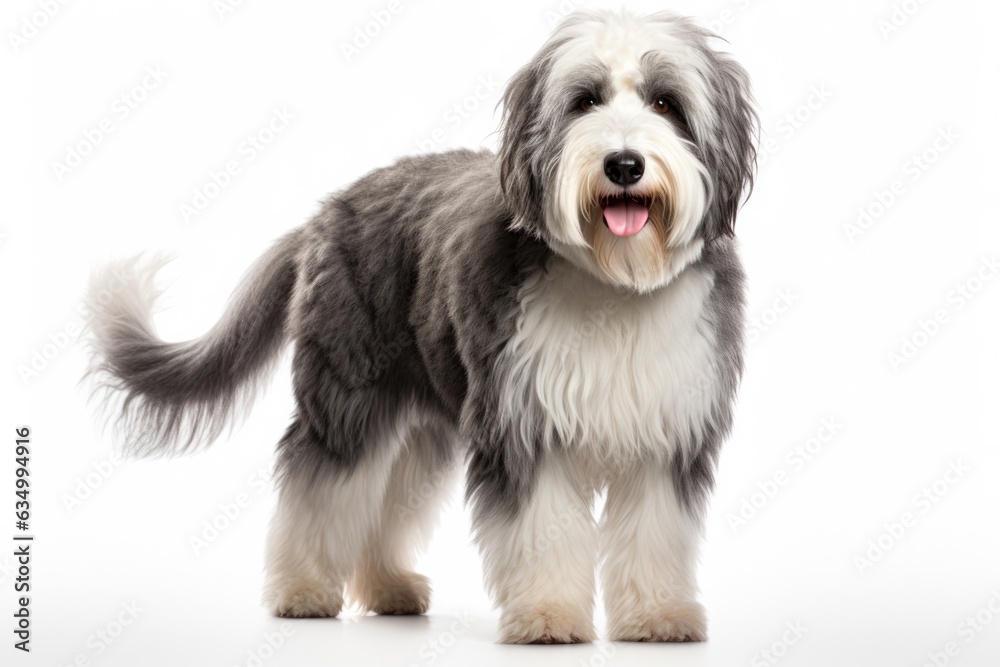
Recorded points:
(566,316)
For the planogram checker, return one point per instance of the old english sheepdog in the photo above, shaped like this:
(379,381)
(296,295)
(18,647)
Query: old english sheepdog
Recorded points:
(564,316)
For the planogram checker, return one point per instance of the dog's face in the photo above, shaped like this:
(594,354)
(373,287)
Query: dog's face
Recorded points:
(627,143)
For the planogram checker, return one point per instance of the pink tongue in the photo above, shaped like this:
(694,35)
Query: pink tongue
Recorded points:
(625,218)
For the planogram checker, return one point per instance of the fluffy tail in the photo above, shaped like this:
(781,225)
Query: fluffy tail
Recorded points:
(170,398)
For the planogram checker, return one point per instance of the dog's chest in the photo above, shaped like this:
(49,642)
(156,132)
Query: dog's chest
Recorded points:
(616,374)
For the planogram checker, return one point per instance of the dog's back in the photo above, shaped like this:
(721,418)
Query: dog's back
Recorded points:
(356,289)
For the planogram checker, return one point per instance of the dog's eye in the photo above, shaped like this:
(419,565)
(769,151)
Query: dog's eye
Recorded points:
(662,105)
(586,103)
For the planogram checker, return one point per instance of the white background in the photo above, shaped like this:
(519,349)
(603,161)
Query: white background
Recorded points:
(854,300)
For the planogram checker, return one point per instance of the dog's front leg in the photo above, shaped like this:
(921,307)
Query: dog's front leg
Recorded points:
(649,548)
(539,549)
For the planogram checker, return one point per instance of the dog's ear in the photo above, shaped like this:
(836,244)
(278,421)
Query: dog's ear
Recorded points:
(521,134)
(731,154)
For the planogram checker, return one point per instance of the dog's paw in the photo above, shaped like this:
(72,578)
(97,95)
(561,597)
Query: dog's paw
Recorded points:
(402,594)
(306,603)
(677,622)
(546,625)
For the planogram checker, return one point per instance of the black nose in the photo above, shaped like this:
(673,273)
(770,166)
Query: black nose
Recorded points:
(624,168)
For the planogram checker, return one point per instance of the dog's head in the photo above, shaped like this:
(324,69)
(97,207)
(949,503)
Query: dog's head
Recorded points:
(627,143)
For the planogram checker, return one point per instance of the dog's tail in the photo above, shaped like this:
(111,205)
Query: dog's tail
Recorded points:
(170,398)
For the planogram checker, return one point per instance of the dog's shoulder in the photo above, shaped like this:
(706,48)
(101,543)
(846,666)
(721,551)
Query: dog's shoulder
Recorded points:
(721,259)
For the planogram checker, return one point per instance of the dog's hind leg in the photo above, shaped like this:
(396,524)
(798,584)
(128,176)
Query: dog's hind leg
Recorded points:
(325,513)
(421,479)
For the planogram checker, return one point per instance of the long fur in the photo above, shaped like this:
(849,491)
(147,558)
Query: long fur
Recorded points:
(169,398)
(474,304)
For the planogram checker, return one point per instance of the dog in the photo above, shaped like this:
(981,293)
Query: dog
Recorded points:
(564,317)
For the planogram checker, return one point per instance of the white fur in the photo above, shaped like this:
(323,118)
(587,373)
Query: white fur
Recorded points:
(384,581)
(619,383)
(540,567)
(649,547)
(625,122)
(613,363)
(618,375)
(619,39)
(357,526)
(317,536)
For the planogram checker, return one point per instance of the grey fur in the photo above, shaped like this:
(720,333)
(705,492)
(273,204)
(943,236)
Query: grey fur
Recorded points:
(169,398)
(536,114)
(402,292)
(529,143)
(728,142)
(732,157)
(694,476)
